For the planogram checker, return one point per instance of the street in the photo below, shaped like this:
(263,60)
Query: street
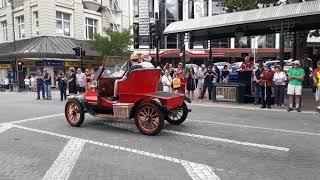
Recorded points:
(215,142)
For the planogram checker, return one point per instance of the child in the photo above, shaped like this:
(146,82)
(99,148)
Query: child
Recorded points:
(176,83)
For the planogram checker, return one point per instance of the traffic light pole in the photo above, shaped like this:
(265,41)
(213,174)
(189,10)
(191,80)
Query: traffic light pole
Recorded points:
(16,73)
(81,57)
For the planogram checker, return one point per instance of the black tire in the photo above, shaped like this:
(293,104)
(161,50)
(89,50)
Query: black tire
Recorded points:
(149,119)
(76,117)
(180,116)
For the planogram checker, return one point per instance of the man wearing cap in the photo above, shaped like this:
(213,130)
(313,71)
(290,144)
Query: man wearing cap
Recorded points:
(316,82)
(296,76)
(146,61)
(134,60)
(266,84)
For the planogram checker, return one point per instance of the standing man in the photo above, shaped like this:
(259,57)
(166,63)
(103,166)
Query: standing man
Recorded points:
(296,76)
(40,84)
(72,81)
(209,77)
(316,82)
(257,80)
(47,84)
(201,77)
(266,84)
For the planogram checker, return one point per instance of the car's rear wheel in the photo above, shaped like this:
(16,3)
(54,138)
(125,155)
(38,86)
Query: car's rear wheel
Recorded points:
(74,113)
(149,119)
(179,115)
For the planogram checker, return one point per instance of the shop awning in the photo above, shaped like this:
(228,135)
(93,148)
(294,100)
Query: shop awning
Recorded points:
(299,16)
(46,47)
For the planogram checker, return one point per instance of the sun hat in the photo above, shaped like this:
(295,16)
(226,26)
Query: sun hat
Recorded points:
(146,57)
(296,62)
(134,57)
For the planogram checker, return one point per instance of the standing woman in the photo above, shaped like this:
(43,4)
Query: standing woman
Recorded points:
(279,80)
(62,84)
(88,78)
(191,85)
(72,81)
(225,74)
(167,81)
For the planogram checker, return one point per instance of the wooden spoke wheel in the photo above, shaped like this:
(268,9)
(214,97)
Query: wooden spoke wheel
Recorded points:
(178,116)
(74,113)
(149,119)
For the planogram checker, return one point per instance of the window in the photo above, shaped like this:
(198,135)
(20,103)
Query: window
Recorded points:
(91,28)
(136,8)
(20,23)
(205,7)
(36,23)
(191,9)
(217,7)
(114,27)
(63,23)
(3,3)
(4,27)
(243,42)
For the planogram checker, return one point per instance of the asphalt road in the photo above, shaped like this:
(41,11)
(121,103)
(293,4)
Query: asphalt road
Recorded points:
(215,142)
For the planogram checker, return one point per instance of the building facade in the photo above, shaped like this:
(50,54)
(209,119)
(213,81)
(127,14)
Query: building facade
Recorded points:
(233,49)
(44,28)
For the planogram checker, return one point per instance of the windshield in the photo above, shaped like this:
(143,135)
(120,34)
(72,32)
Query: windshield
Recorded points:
(114,67)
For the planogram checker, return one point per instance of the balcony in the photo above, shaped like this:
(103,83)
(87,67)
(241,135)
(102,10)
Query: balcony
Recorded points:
(93,5)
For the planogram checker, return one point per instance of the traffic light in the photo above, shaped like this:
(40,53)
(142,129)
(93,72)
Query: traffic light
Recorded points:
(77,51)
(20,64)
(83,53)
(181,42)
(153,35)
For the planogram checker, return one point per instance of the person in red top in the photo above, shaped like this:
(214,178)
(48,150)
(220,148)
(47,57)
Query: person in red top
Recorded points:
(266,85)
(180,72)
(247,65)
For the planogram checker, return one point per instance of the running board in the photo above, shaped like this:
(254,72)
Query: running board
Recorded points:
(105,116)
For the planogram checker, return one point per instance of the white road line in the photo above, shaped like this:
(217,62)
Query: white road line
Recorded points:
(63,165)
(195,170)
(34,119)
(5,127)
(256,127)
(227,140)
(249,108)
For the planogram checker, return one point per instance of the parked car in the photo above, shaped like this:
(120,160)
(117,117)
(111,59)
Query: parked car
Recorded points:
(287,64)
(236,65)
(222,64)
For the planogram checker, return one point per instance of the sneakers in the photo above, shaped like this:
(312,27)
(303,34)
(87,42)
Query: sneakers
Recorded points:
(298,110)
(290,109)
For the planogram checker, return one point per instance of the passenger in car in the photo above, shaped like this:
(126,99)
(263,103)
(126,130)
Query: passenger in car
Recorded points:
(134,59)
(146,61)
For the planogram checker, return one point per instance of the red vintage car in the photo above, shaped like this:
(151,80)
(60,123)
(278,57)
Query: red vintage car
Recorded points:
(139,98)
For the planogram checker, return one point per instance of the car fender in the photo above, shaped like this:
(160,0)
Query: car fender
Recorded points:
(154,101)
(187,99)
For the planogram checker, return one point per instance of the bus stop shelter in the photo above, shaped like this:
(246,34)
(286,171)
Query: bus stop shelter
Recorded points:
(278,19)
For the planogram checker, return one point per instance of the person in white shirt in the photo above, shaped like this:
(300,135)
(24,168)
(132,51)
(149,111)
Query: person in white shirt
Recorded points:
(27,82)
(279,80)
(81,81)
(118,72)
(146,61)
(167,81)
(6,82)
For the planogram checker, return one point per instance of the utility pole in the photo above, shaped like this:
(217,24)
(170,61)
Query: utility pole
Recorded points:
(14,68)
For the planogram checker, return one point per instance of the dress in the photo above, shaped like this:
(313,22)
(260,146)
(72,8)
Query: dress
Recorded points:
(191,85)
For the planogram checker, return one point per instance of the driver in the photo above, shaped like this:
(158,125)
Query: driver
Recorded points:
(134,59)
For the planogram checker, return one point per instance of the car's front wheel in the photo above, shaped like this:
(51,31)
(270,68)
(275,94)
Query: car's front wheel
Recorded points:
(74,113)
(149,119)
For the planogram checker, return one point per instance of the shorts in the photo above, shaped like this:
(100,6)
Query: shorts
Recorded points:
(81,89)
(294,90)
(200,83)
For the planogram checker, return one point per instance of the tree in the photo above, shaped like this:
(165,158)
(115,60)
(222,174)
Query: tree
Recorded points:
(113,43)
(242,5)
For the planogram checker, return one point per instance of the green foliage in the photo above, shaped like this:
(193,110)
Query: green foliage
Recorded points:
(242,5)
(113,43)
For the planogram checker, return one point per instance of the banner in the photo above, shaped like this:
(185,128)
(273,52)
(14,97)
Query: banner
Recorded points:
(144,18)
(5,66)
(72,64)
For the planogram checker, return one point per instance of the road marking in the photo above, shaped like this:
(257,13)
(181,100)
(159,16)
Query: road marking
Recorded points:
(195,170)
(255,127)
(5,127)
(63,165)
(227,140)
(34,119)
(250,108)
